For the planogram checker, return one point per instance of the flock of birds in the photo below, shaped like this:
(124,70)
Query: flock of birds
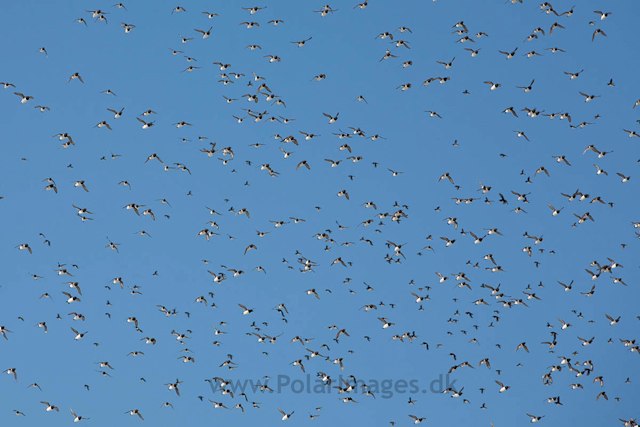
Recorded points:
(481,297)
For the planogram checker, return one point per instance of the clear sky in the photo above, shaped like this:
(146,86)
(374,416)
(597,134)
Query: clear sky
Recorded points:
(403,173)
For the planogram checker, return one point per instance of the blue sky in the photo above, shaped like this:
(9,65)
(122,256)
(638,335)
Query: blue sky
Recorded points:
(143,73)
